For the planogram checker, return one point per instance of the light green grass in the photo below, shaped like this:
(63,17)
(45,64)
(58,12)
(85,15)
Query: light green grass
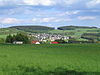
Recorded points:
(84,57)
(3,36)
(6,31)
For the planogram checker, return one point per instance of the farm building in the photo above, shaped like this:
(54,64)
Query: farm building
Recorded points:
(17,42)
(35,42)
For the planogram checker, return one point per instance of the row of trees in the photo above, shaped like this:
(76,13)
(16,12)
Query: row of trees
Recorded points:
(94,37)
(18,37)
(74,27)
(72,41)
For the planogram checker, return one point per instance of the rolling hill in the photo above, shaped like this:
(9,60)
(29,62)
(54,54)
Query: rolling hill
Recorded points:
(74,31)
(32,28)
(74,27)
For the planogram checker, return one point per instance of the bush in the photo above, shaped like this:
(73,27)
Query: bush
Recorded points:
(9,39)
(2,40)
(26,70)
(60,41)
(75,41)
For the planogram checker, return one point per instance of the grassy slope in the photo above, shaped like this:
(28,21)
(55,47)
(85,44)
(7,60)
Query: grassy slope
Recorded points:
(78,32)
(6,31)
(75,57)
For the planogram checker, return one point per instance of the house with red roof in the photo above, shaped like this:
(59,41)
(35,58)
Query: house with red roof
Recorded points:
(35,42)
(54,42)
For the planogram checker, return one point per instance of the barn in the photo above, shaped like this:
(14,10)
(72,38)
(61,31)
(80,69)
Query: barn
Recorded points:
(54,42)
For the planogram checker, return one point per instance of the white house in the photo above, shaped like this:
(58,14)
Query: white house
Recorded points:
(17,42)
(37,43)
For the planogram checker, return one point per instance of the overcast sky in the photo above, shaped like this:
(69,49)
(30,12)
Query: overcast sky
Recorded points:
(50,12)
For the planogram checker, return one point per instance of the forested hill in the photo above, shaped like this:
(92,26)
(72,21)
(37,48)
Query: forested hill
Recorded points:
(74,31)
(32,28)
(50,28)
(74,27)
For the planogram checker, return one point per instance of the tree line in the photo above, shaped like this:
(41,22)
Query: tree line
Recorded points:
(95,37)
(18,37)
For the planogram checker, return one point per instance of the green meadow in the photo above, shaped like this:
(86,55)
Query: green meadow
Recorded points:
(49,59)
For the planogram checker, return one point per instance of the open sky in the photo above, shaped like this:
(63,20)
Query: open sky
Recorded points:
(52,13)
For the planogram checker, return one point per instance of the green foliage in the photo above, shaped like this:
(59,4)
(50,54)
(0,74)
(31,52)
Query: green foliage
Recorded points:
(2,40)
(17,37)
(74,27)
(22,37)
(60,41)
(26,70)
(27,28)
(9,39)
(77,32)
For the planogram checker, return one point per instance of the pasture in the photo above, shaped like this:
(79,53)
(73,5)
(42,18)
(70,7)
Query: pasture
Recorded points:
(73,57)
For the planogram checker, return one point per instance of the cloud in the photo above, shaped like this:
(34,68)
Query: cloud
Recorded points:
(86,17)
(39,2)
(93,3)
(57,12)
(1,3)
(69,2)
(49,2)
(50,19)
(70,13)
(10,21)
(10,2)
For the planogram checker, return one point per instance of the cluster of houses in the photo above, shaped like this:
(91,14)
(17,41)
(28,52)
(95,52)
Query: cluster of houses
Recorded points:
(43,38)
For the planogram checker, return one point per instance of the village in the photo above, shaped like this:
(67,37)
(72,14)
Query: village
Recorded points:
(42,38)
(45,37)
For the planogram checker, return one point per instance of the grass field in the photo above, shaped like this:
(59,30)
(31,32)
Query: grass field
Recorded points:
(78,57)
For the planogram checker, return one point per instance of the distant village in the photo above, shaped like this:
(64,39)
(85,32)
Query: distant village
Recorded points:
(45,37)
(29,36)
